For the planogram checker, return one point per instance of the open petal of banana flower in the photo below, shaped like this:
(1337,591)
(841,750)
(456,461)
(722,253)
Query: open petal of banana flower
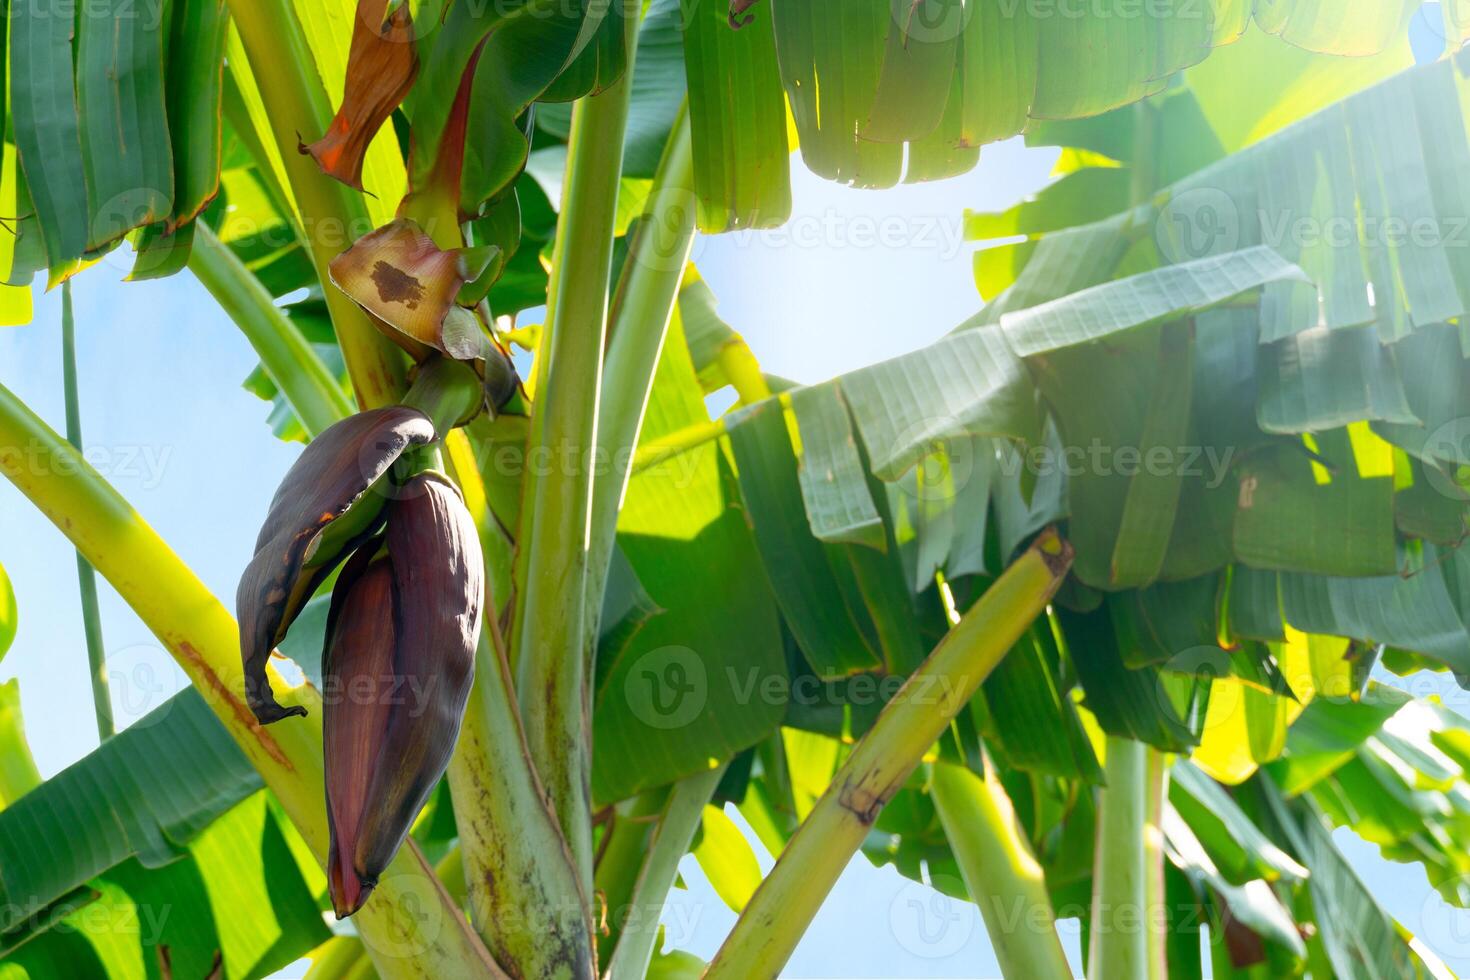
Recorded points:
(400,276)
(324,508)
(396,674)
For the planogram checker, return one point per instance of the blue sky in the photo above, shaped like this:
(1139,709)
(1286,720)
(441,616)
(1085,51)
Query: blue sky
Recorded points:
(857,276)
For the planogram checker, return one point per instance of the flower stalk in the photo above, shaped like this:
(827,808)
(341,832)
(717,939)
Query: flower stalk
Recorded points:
(447,391)
(787,900)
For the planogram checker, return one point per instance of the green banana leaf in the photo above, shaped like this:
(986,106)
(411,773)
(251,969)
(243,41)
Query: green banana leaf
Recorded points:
(118,804)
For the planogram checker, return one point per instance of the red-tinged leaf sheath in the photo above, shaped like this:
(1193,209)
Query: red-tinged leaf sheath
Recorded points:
(438,193)
(412,649)
(381,65)
(299,543)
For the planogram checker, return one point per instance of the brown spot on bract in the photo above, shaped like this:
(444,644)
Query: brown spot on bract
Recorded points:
(396,286)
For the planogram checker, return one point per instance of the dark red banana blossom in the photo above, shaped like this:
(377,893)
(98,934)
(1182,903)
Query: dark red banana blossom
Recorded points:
(323,509)
(396,673)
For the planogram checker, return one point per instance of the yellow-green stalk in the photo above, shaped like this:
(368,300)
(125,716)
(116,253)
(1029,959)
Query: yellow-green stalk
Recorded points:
(783,907)
(1118,944)
(1000,870)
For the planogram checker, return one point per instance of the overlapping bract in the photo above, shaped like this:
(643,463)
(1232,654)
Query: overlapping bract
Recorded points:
(401,633)
(305,535)
(397,671)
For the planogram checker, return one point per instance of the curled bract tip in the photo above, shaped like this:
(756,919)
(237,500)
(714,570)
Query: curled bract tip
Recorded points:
(381,65)
(323,509)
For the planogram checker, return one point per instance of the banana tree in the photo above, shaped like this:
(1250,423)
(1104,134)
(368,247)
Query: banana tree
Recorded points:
(1072,613)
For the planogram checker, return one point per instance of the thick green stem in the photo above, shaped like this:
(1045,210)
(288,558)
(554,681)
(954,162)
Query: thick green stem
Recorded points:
(1156,794)
(410,925)
(86,575)
(308,387)
(639,919)
(1127,877)
(1118,946)
(525,897)
(447,391)
(642,309)
(787,900)
(332,214)
(548,649)
(1000,871)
